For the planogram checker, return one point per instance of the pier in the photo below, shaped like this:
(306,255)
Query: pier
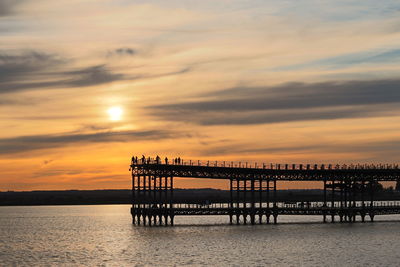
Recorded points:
(348,191)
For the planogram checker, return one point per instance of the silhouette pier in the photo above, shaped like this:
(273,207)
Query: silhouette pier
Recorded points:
(348,191)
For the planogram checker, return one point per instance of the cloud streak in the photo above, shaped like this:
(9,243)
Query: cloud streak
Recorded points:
(38,142)
(7,7)
(348,60)
(36,70)
(123,51)
(288,102)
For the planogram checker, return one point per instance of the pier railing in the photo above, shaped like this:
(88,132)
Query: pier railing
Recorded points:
(257,165)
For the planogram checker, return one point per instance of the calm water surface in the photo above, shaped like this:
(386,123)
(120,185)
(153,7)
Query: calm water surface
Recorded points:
(104,236)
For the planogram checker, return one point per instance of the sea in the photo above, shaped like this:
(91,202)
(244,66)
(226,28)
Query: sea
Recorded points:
(103,235)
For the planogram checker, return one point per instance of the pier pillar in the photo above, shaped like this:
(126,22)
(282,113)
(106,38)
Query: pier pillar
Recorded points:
(244,201)
(275,205)
(371,205)
(275,218)
(231,208)
(260,188)
(237,210)
(252,211)
(333,202)
(325,206)
(268,205)
(371,216)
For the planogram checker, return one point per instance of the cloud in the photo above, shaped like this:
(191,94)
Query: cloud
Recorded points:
(15,66)
(46,162)
(91,76)
(36,70)
(7,7)
(123,51)
(37,142)
(373,150)
(13,102)
(347,60)
(288,102)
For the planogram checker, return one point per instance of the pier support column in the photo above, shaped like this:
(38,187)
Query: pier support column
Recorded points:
(325,207)
(252,211)
(134,205)
(237,210)
(354,204)
(371,205)
(172,214)
(156,203)
(245,201)
(231,201)
(260,209)
(371,216)
(275,218)
(362,212)
(333,202)
(275,204)
(160,201)
(268,204)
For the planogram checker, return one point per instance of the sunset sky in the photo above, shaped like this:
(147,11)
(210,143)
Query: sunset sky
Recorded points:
(84,85)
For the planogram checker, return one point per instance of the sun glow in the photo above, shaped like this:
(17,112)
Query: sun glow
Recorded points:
(115,113)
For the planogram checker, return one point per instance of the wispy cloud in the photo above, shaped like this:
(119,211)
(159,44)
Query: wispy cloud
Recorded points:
(36,70)
(288,102)
(7,7)
(48,141)
(123,51)
(371,150)
(339,62)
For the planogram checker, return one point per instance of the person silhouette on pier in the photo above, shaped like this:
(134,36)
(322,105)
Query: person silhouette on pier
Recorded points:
(143,159)
(166,161)
(158,160)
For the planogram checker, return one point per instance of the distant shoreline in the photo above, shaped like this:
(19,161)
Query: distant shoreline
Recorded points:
(124,196)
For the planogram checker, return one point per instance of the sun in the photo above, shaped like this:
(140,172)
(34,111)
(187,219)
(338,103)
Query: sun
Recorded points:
(115,113)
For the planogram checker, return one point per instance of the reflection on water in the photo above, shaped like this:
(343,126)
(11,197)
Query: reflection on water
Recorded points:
(104,235)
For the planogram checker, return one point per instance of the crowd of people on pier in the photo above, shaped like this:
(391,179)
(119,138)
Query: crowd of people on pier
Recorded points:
(156,160)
